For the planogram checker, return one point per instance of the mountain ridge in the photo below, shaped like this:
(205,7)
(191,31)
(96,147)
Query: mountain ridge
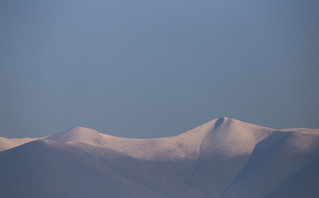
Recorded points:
(91,136)
(223,158)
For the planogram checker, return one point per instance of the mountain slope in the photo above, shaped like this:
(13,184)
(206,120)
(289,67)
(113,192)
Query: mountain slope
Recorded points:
(8,143)
(272,161)
(182,146)
(223,153)
(219,159)
(50,169)
(302,183)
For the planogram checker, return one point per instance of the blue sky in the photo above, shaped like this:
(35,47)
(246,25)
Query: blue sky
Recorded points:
(156,68)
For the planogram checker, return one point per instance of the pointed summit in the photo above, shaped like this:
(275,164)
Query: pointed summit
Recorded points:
(219,122)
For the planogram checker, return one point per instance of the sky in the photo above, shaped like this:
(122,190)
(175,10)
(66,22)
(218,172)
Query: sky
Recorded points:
(155,68)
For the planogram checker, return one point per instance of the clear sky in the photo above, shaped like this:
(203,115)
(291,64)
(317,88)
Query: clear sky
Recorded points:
(155,68)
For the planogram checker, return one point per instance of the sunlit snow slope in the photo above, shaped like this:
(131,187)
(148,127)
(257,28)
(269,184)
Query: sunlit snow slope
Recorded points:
(8,143)
(224,158)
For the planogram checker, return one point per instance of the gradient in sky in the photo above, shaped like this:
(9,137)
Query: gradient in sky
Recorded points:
(156,68)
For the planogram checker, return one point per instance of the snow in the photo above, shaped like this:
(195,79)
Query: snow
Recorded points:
(234,138)
(221,158)
(8,143)
(224,135)
(183,146)
(274,159)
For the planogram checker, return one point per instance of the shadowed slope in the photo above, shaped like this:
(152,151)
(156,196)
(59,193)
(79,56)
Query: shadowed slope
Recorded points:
(49,169)
(302,183)
(272,161)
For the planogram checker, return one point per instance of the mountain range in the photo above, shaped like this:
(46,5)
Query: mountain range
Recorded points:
(223,158)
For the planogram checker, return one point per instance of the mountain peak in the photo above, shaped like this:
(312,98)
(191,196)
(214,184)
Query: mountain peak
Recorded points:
(223,117)
(219,122)
(77,134)
(81,129)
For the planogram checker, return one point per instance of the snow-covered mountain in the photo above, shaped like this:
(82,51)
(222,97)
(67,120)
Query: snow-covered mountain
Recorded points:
(223,158)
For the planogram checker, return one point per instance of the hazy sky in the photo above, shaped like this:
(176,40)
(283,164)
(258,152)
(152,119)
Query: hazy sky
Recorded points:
(156,67)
